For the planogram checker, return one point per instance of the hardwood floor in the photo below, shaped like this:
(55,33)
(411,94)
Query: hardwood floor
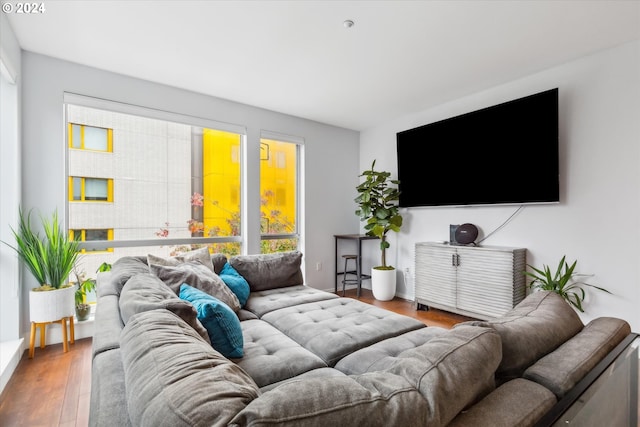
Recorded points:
(53,388)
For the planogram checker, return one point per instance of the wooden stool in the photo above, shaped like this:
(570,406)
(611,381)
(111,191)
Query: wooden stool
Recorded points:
(42,327)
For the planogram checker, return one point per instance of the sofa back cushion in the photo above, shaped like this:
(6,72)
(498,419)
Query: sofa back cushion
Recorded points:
(144,292)
(269,271)
(197,276)
(121,271)
(532,329)
(375,399)
(452,370)
(174,378)
(562,369)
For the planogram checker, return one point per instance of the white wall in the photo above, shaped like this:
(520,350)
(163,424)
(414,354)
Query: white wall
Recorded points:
(597,220)
(330,169)
(10,341)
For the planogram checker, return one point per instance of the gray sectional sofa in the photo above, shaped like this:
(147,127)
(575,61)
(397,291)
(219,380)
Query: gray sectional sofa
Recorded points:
(311,358)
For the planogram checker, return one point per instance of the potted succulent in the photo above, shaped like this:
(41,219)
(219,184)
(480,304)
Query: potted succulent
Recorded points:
(378,207)
(562,282)
(50,259)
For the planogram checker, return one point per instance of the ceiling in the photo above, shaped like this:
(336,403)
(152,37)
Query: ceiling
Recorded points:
(297,57)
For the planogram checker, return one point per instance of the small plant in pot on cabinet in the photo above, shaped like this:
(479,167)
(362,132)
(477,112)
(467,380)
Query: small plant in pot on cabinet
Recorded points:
(378,207)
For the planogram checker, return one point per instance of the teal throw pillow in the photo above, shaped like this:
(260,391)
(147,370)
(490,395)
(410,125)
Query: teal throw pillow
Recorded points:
(236,283)
(219,320)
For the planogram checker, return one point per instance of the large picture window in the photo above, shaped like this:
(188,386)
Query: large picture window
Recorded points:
(172,186)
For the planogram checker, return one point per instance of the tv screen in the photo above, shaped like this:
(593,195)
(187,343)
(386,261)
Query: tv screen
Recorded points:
(504,154)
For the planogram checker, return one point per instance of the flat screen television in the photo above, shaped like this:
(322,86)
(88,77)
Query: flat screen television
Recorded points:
(506,154)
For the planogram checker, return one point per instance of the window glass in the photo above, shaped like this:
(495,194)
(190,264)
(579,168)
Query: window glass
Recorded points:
(278,195)
(95,189)
(172,187)
(95,138)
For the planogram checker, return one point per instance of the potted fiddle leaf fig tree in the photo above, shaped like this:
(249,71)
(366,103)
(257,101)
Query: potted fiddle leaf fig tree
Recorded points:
(378,207)
(50,259)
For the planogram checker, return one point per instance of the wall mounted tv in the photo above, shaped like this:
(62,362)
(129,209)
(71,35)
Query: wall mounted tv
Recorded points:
(506,154)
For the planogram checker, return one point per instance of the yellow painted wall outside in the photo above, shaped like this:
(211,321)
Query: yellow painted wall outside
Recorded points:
(221,183)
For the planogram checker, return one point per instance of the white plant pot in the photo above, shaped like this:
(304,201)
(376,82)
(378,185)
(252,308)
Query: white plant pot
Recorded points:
(383,284)
(48,306)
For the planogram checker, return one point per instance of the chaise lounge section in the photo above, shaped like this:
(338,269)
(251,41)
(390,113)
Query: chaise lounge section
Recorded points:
(312,358)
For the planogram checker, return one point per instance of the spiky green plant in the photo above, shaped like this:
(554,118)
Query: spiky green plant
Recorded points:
(377,205)
(50,258)
(562,282)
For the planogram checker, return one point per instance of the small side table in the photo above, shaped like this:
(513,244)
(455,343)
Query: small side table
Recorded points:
(359,238)
(42,327)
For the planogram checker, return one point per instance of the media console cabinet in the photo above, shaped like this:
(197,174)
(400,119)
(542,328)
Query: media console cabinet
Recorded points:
(483,282)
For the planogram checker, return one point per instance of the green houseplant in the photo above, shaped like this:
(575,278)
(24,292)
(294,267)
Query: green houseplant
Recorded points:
(562,281)
(85,286)
(378,207)
(50,259)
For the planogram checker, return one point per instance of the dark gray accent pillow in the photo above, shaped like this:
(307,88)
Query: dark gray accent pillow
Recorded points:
(145,292)
(218,261)
(201,255)
(269,271)
(173,378)
(532,329)
(197,276)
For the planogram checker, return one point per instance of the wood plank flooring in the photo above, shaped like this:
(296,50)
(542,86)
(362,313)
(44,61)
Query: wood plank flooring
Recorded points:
(53,388)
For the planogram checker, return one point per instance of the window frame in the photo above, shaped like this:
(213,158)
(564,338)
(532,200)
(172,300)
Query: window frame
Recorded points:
(83,195)
(70,126)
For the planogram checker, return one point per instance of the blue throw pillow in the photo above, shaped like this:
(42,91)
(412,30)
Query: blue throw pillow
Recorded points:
(219,320)
(236,283)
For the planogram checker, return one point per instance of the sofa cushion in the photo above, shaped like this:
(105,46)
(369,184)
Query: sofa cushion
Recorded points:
(236,283)
(262,302)
(315,373)
(174,378)
(561,370)
(122,270)
(219,320)
(373,400)
(271,356)
(201,255)
(452,370)
(382,355)
(268,271)
(197,276)
(336,327)
(108,393)
(518,402)
(144,292)
(535,327)
(107,316)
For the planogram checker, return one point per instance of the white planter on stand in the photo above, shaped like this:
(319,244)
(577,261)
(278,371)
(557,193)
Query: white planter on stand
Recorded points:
(49,306)
(383,284)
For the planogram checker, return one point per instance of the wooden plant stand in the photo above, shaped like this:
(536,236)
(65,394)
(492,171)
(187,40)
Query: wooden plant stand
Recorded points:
(42,327)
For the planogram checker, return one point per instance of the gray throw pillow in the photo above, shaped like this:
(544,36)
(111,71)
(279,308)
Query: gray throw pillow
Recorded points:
(146,292)
(201,255)
(197,276)
(269,271)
